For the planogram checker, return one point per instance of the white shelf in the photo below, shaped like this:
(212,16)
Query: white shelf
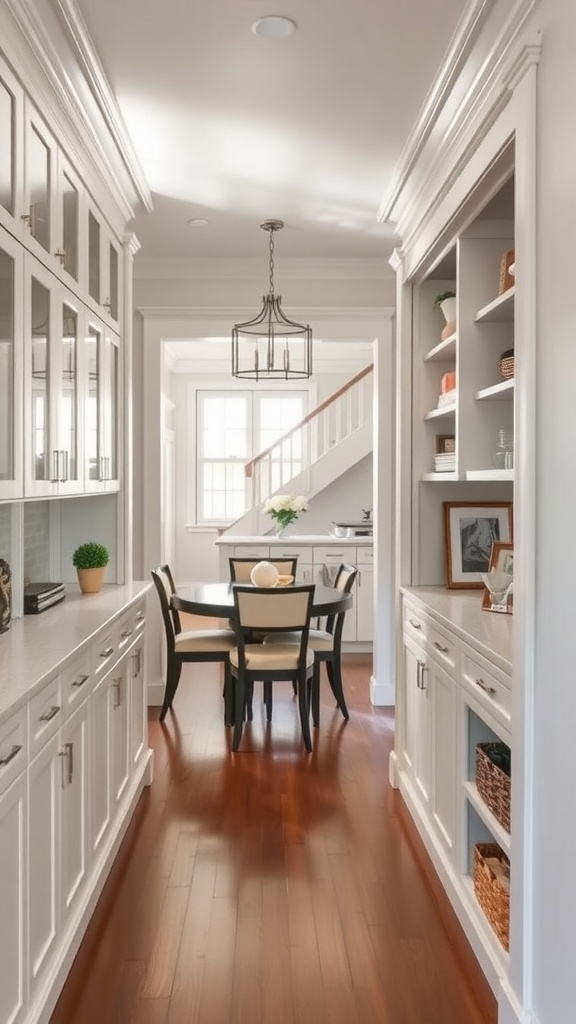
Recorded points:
(452,475)
(500,834)
(490,474)
(503,391)
(436,414)
(445,351)
(500,310)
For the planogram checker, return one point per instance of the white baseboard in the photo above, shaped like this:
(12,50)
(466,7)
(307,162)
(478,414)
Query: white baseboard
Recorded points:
(155,693)
(509,1009)
(382,694)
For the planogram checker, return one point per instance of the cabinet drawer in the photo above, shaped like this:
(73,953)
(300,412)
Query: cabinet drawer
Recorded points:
(13,747)
(364,556)
(486,685)
(286,550)
(416,624)
(106,651)
(44,715)
(443,648)
(77,680)
(334,555)
(251,551)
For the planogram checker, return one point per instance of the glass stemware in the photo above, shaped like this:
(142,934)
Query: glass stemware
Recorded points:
(499,586)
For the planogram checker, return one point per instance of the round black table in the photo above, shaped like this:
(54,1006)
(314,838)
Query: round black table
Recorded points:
(215,599)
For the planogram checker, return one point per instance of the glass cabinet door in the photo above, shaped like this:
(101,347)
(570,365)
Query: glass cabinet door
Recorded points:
(92,408)
(11,483)
(40,185)
(11,150)
(38,368)
(101,408)
(69,222)
(94,257)
(67,396)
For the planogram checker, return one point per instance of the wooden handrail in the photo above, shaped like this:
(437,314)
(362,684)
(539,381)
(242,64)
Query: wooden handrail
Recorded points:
(249,466)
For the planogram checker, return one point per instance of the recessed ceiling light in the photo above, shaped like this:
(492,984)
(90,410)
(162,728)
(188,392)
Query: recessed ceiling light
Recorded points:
(198,222)
(274,27)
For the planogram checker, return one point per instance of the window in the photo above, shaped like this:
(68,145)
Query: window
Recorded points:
(232,427)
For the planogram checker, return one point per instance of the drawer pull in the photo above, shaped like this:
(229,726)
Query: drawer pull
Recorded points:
(107,652)
(67,755)
(10,757)
(49,713)
(80,681)
(415,624)
(441,647)
(484,686)
(126,633)
(139,616)
(421,668)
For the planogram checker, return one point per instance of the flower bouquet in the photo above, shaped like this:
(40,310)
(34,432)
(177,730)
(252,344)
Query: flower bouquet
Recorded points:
(284,509)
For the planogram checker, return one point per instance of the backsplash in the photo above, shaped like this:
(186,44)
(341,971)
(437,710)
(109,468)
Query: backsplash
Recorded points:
(37,541)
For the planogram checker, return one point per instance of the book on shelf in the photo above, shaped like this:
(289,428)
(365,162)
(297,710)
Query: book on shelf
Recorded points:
(446,398)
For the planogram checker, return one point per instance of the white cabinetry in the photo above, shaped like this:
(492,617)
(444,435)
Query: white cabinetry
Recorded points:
(11,378)
(73,760)
(454,694)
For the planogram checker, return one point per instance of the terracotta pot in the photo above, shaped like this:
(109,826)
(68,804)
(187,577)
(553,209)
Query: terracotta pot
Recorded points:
(91,580)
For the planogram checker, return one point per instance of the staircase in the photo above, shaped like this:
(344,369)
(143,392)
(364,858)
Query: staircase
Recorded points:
(327,442)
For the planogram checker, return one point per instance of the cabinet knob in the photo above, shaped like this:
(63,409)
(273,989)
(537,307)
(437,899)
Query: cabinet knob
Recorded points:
(415,624)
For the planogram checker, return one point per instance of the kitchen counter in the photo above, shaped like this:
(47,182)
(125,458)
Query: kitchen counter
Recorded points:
(304,539)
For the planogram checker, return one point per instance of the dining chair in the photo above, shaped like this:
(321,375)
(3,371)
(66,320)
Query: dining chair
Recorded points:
(273,610)
(240,568)
(196,645)
(327,646)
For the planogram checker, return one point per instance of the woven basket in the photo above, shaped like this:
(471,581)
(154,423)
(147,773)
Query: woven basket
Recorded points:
(492,887)
(492,781)
(507,364)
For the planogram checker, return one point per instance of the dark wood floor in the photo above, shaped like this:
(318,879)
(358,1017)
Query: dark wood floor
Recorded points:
(271,886)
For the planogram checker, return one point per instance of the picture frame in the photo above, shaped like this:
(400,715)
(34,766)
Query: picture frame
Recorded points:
(445,444)
(501,559)
(470,530)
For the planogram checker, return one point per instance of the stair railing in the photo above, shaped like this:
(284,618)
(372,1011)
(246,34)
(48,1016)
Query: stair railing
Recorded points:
(334,419)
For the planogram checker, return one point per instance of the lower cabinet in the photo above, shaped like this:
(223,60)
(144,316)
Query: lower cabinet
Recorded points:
(64,807)
(451,697)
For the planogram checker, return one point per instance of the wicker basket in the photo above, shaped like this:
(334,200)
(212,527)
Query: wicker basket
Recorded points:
(492,887)
(492,779)
(507,364)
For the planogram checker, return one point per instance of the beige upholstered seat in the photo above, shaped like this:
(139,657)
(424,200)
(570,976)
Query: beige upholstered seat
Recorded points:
(271,610)
(193,645)
(326,644)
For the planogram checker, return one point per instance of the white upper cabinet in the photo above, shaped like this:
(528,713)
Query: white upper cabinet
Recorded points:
(11,151)
(11,282)
(101,407)
(104,263)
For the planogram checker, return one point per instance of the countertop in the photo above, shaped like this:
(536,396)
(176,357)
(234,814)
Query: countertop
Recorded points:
(308,540)
(35,645)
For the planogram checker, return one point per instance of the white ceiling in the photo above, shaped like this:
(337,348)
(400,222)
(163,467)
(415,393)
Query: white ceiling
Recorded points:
(236,129)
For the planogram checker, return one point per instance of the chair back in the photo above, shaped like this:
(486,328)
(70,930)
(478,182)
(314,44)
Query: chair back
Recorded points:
(240,568)
(270,610)
(164,583)
(345,578)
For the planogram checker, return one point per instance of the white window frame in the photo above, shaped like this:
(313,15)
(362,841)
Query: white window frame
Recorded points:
(192,439)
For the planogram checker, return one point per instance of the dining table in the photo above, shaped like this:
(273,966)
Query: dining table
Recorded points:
(216,600)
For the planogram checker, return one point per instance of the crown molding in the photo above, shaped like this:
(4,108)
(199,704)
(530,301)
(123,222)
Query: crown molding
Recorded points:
(252,269)
(82,44)
(462,43)
(63,103)
(486,96)
(192,313)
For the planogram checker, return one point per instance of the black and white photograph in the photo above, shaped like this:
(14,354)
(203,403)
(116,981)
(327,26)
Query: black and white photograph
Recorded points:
(470,531)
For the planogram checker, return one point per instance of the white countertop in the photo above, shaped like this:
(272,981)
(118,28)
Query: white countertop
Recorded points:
(461,611)
(35,645)
(308,540)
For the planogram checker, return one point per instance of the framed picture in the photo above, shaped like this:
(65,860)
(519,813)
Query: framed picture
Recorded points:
(501,560)
(445,444)
(470,530)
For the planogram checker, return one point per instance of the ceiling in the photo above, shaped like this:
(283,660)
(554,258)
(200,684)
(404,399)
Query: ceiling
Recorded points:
(236,129)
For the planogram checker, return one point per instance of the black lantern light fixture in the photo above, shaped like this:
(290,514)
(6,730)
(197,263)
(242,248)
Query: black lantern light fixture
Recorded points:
(271,347)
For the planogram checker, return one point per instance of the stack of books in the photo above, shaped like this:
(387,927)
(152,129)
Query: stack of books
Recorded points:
(40,596)
(445,462)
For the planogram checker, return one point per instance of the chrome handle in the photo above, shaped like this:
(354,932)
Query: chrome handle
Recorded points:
(49,713)
(415,624)
(140,616)
(107,652)
(126,633)
(102,471)
(61,255)
(484,686)
(117,684)
(67,755)
(80,681)
(440,647)
(55,467)
(136,667)
(10,757)
(64,475)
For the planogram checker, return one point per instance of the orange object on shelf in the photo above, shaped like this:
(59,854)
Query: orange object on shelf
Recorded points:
(448,381)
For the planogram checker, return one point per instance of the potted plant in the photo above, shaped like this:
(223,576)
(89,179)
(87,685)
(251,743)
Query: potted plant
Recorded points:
(91,560)
(446,302)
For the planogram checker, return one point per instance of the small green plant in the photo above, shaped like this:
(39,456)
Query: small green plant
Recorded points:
(90,556)
(440,298)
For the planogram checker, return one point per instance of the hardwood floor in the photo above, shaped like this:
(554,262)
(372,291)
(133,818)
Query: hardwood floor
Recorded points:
(271,886)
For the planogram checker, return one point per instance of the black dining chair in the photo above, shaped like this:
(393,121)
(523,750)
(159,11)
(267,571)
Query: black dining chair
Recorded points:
(327,646)
(240,568)
(273,610)
(197,645)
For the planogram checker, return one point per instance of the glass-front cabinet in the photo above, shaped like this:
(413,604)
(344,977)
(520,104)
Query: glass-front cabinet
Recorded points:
(40,182)
(104,262)
(52,367)
(11,277)
(101,407)
(11,151)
